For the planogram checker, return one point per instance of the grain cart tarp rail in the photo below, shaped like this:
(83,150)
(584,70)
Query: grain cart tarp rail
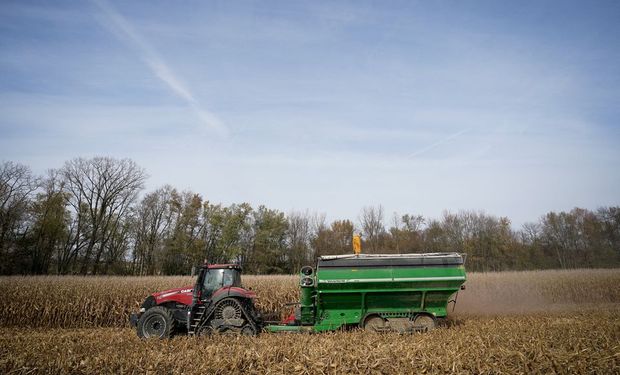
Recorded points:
(378,292)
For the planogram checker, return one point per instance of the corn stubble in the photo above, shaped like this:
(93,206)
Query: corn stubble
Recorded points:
(510,322)
(559,343)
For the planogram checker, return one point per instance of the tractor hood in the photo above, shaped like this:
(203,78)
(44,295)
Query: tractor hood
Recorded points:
(181,295)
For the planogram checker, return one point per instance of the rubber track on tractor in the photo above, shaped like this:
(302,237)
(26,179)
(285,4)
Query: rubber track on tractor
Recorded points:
(204,314)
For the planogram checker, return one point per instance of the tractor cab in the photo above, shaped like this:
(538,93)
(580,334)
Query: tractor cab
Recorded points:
(216,276)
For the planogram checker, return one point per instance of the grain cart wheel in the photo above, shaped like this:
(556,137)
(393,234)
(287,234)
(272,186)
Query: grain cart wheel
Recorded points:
(424,323)
(156,322)
(374,323)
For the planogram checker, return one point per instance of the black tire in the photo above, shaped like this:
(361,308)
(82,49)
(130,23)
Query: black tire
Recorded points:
(156,322)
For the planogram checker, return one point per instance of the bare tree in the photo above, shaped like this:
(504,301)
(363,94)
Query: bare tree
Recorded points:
(320,238)
(573,236)
(49,222)
(342,237)
(610,228)
(298,240)
(152,220)
(17,185)
(371,220)
(406,233)
(185,246)
(530,233)
(101,191)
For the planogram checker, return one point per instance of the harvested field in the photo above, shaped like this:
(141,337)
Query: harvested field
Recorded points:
(564,343)
(510,322)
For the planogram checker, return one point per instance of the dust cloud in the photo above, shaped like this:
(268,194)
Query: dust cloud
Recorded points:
(526,292)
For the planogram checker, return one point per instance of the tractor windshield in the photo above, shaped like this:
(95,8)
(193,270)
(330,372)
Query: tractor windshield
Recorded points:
(217,278)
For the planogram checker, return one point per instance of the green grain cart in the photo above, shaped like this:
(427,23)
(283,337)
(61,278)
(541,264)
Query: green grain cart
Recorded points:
(404,293)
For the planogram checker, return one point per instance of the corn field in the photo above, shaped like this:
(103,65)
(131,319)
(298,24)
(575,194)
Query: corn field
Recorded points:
(509,322)
(84,302)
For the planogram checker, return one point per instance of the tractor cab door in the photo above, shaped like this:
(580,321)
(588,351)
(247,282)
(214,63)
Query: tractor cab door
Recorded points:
(216,278)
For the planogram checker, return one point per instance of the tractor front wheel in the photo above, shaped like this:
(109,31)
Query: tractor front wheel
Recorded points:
(156,322)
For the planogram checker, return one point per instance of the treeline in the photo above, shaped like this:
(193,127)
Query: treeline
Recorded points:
(91,216)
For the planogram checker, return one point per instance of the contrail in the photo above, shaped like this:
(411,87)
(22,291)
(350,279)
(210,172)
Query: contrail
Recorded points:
(119,25)
(439,142)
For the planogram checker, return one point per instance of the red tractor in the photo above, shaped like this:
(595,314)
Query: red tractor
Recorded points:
(216,303)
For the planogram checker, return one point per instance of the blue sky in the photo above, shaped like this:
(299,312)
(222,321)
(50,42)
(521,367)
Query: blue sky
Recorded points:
(507,107)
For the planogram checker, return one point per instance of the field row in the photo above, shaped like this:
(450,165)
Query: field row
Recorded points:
(82,302)
(568,343)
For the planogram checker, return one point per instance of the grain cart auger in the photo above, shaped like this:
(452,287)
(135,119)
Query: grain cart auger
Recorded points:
(217,302)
